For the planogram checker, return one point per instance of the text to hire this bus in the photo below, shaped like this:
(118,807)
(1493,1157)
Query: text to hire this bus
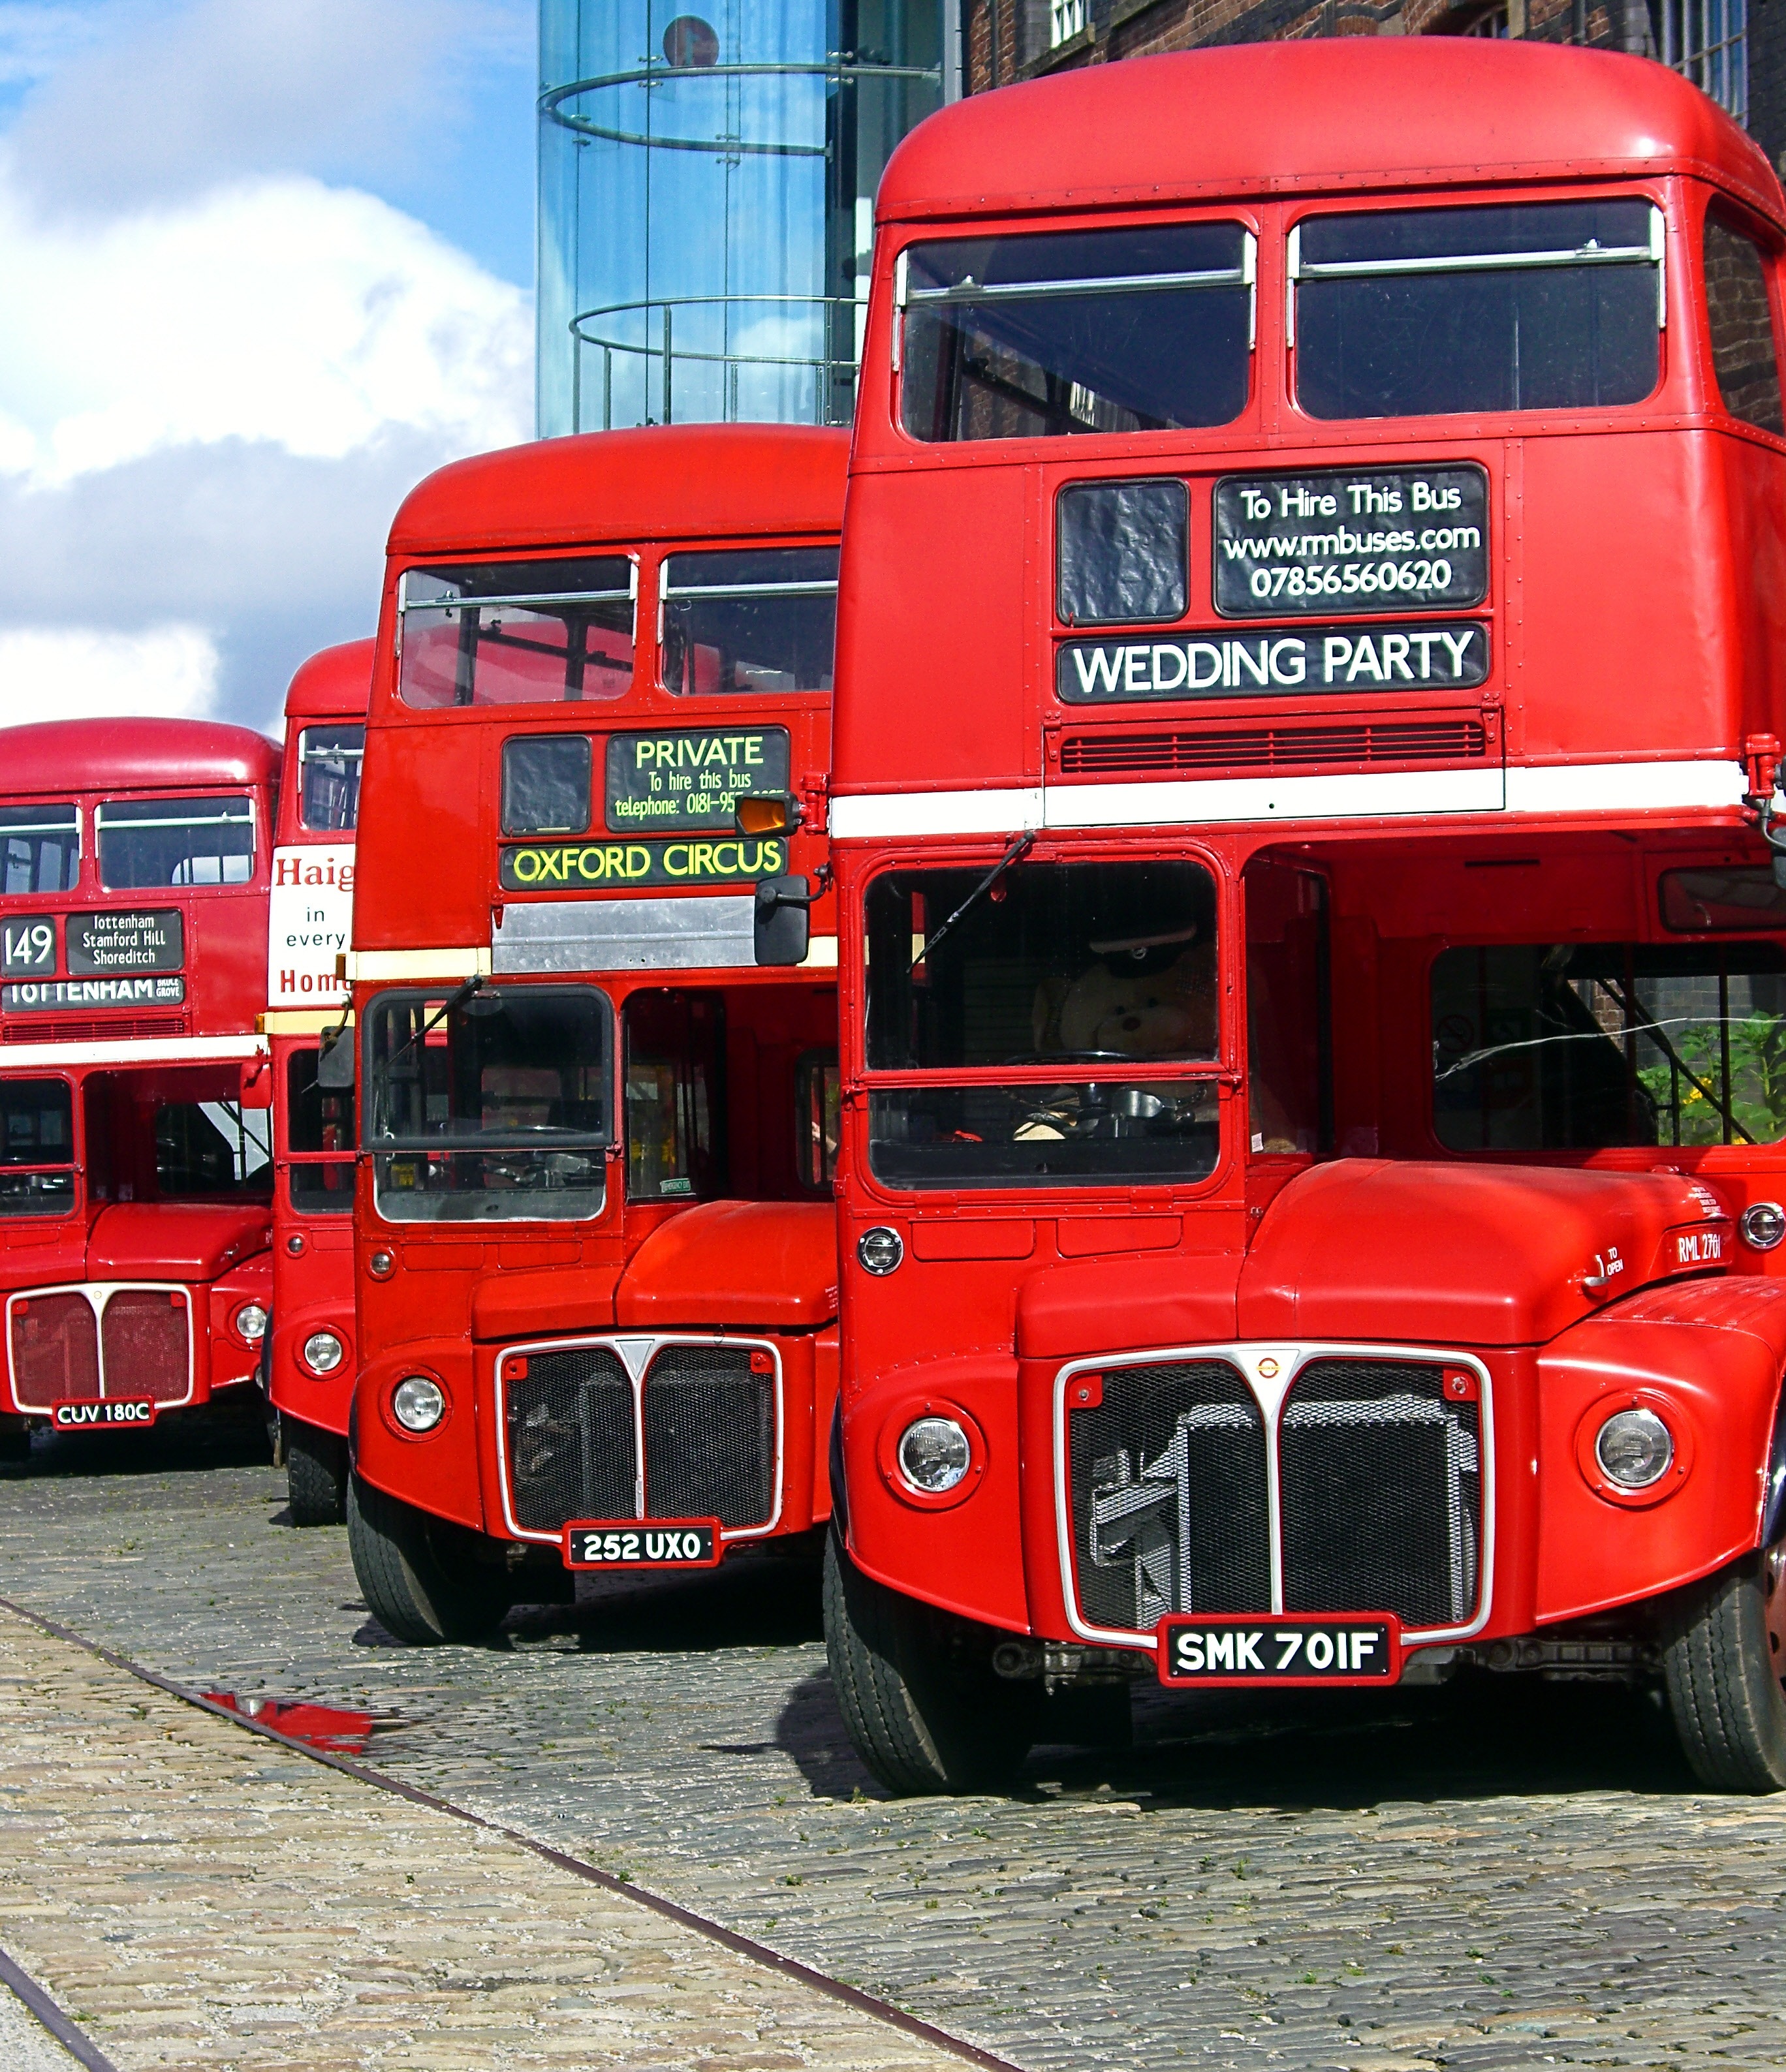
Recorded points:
(1314,990)
(135,1168)
(596,1252)
(309,1352)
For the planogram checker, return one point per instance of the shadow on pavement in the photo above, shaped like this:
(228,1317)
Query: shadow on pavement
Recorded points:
(229,1432)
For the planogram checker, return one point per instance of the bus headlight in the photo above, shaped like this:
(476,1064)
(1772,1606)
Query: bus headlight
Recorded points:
(1762,1224)
(879,1250)
(324,1352)
(251,1321)
(934,1455)
(418,1403)
(1634,1448)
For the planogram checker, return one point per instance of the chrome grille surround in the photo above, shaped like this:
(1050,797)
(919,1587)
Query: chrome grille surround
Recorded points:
(636,1351)
(1269,1392)
(98,1295)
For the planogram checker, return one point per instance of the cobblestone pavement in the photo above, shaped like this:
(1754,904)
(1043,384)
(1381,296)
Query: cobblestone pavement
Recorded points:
(1506,1875)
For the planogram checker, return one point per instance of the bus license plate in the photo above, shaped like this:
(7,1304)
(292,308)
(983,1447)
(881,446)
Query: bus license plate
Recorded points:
(669,1542)
(88,1416)
(1195,1651)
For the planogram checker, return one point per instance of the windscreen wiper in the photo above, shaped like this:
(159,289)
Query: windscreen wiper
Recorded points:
(1018,850)
(457,998)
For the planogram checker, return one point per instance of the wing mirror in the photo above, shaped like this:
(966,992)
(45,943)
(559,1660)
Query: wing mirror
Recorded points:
(783,925)
(335,1061)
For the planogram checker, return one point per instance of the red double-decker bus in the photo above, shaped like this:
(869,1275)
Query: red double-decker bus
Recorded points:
(594,981)
(309,1357)
(135,1168)
(1313,985)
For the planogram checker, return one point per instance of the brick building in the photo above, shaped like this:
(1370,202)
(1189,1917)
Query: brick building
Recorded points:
(1735,49)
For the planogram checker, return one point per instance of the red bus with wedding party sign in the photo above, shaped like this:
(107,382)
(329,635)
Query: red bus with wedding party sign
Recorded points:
(1313,984)
(594,977)
(135,1168)
(308,1365)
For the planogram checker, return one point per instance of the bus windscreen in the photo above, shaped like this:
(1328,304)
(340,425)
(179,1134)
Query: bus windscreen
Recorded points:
(1435,312)
(149,842)
(39,849)
(1097,330)
(37,1168)
(509,633)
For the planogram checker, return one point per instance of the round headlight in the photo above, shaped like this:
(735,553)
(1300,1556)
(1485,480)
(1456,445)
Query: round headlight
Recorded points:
(418,1402)
(1762,1225)
(934,1455)
(251,1323)
(879,1250)
(1634,1448)
(324,1352)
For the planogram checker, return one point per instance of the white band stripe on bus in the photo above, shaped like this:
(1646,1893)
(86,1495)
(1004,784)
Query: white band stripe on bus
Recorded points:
(140,1050)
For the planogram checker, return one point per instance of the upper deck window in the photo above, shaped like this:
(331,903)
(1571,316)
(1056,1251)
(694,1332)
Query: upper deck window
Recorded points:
(145,842)
(40,847)
(329,758)
(1433,312)
(761,618)
(1094,330)
(1744,353)
(511,633)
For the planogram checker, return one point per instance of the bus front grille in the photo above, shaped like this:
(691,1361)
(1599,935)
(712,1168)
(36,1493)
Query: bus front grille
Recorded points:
(144,1334)
(710,1435)
(1379,1487)
(54,1344)
(571,1444)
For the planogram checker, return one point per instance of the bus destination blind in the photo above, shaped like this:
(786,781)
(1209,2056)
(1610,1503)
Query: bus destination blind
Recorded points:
(689,778)
(1308,545)
(1415,654)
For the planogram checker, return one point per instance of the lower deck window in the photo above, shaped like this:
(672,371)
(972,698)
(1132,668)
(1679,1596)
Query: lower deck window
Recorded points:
(675,1043)
(37,1171)
(1555,1047)
(489,1106)
(319,1121)
(212,1148)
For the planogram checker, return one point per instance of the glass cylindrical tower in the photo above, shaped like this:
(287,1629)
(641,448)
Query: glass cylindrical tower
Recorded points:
(707,190)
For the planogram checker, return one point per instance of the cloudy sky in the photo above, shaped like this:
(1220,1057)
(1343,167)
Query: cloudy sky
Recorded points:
(267,262)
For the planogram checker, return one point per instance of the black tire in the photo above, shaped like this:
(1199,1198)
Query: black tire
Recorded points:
(422,1577)
(16,1443)
(917,1690)
(316,1473)
(1726,1670)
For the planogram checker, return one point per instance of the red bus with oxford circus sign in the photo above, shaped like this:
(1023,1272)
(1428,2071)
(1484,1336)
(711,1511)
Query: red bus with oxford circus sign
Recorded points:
(135,1167)
(594,977)
(1313,977)
(308,1366)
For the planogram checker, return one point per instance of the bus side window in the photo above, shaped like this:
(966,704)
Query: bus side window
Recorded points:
(1744,351)
(1289,1070)
(817,1096)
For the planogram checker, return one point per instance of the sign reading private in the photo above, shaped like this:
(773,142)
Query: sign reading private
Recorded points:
(690,779)
(1421,654)
(310,923)
(56,995)
(574,866)
(99,943)
(1288,545)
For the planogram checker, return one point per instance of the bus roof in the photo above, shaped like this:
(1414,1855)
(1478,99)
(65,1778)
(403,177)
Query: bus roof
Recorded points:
(665,482)
(130,754)
(335,683)
(1320,116)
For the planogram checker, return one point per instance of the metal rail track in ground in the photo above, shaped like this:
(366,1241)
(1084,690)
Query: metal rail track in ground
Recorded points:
(728,1939)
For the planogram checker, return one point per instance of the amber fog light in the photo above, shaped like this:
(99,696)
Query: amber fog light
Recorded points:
(934,1455)
(324,1352)
(1634,1448)
(1762,1225)
(418,1403)
(382,1266)
(251,1323)
(880,1251)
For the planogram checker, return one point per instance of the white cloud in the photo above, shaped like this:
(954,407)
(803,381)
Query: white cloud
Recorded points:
(68,672)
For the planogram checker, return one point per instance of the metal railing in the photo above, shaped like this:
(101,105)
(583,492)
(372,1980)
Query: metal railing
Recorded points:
(830,372)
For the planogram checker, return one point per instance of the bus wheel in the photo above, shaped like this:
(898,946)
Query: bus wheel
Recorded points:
(421,1576)
(917,1690)
(15,1442)
(1726,1667)
(316,1475)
